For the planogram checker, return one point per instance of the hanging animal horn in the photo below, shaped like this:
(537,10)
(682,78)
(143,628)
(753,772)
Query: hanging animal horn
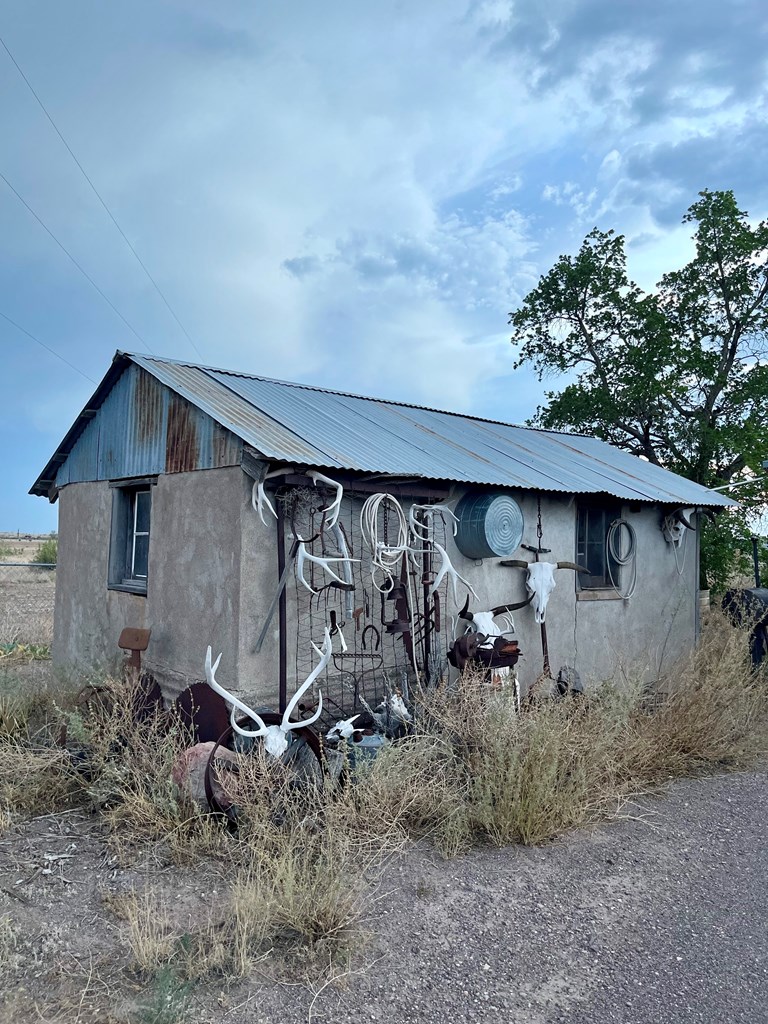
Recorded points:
(465,613)
(572,565)
(681,517)
(515,563)
(502,608)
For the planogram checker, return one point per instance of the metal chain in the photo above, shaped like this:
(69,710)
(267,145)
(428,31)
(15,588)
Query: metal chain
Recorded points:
(539,531)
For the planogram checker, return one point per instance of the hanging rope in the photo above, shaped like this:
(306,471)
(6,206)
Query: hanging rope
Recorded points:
(386,557)
(623,555)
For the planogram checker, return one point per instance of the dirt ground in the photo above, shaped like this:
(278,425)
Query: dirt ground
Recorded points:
(656,917)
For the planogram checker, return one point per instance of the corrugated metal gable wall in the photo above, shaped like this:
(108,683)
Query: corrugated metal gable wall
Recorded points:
(142,429)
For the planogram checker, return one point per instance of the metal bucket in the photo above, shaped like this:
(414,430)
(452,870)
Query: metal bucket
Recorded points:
(490,523)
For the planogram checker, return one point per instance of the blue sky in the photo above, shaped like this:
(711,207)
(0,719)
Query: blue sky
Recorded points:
(352,195)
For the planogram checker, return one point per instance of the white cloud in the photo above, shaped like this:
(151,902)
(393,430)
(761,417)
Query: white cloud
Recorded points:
(355,194)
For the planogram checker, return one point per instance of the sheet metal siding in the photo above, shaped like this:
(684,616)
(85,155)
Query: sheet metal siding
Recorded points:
(200,387)
(143,429)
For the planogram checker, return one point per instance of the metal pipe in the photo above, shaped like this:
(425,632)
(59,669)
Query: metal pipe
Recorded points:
(282,614)
(756,561)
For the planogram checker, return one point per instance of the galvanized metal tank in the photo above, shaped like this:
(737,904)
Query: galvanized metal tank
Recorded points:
(490,523)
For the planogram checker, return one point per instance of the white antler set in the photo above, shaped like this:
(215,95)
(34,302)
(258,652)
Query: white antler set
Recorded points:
(259,497)
(275,736)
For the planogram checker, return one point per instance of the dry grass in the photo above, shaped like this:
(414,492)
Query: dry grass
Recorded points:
(307,856)
(531,776)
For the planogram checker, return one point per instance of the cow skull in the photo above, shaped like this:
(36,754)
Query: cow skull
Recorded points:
(483,622)
(540,581)
(675,525)
(275,736)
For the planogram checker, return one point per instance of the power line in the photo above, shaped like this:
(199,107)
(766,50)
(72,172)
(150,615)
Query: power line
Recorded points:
(96,192)
(47,347)
(84,272)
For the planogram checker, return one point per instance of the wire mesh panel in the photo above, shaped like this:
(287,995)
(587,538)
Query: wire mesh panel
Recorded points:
(27,593)
(379,657)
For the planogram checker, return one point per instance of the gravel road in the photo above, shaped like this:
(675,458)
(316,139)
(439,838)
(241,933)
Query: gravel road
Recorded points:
(661,917)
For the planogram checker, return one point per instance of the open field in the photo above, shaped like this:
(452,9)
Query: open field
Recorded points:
(26,594)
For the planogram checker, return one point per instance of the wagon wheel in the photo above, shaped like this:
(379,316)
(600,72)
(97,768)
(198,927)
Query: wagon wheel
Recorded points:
(303,760)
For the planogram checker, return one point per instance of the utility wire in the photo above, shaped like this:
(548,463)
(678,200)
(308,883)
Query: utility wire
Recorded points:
(84,272)
(96,192)
(46,347)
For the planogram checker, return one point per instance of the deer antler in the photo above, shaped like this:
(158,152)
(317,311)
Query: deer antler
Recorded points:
(325,656)
(422,530)
(302,556)
(336,503)
(447,567)
(210,676)
(259,496)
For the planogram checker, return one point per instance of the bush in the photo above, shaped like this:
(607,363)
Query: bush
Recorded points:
(47,552)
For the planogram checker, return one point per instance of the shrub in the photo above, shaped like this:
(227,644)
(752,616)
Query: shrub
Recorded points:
(47,552)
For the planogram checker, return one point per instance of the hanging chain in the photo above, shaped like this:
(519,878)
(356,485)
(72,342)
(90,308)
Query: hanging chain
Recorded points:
(539,531)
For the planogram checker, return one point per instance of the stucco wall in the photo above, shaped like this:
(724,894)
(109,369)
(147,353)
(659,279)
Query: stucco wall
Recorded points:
(603,639)
(194,564)
(88,618)
(194,577)
(213,574)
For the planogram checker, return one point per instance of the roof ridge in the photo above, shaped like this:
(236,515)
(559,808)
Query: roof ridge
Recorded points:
(353,394)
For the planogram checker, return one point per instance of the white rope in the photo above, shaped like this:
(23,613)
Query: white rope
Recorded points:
(385,557)
(680,562)
(627,557)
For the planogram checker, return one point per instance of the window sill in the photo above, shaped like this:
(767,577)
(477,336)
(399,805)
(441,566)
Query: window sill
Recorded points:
(139,589)
(598,595)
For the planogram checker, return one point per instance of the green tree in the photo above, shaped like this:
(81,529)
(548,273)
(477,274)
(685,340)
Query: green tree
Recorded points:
(678,376)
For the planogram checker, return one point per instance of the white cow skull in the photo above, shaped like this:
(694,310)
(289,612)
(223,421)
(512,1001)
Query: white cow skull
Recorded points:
(675,525)
(540,581)
(275,736)
(483,622)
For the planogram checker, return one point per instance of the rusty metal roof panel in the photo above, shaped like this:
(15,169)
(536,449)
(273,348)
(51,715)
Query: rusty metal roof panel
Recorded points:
(142,428)
(200,386)
(313,426)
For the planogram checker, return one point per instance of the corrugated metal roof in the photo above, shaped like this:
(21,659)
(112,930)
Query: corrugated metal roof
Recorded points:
(306,425)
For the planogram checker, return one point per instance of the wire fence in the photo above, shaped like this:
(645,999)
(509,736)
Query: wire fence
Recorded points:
(27,593)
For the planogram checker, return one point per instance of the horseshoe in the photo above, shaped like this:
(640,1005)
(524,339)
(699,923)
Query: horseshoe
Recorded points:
(370,627)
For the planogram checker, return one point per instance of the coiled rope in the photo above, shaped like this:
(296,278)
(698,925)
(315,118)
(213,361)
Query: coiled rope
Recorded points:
(622,554)
(385,557)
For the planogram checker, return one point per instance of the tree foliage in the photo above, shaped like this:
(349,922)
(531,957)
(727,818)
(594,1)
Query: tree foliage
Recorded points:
(679,375)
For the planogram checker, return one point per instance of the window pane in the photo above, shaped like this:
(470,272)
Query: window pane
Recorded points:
(141,556)
(592,534)
(143,504)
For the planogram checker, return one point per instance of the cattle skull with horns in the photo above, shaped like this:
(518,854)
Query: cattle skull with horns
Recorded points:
(540,581)
(483,622)
(674,525)
(275,736)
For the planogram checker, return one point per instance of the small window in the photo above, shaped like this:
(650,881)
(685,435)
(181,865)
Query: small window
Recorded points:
(593,549)
(129,541)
